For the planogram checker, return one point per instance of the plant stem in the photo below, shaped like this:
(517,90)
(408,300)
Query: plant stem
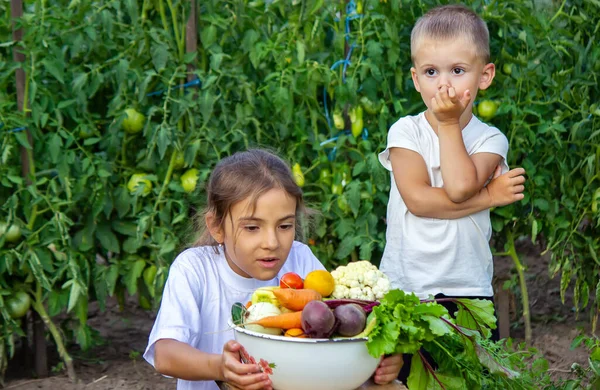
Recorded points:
(165,181)
(523,285)
(38,306)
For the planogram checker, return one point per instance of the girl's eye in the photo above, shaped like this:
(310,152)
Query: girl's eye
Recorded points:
(430,72)
(251,228)
(458,71)
(287,226)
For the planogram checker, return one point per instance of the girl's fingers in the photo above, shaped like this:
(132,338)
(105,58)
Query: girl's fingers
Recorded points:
(519,188)
(251,382)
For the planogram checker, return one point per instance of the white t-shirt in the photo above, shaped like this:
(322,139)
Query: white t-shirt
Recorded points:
(429,255)
(197,300)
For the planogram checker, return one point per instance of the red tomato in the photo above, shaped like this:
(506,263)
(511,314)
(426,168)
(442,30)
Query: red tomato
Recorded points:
(291,280)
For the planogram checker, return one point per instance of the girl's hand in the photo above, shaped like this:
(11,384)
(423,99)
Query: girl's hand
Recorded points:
(507,188)
(447,107)
(388,369)
(241,375)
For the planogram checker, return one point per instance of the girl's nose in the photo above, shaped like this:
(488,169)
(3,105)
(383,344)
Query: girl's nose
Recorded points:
(270,241)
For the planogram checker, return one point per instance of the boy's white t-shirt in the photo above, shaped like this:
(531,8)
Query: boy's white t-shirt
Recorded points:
(198,296)
(429,255)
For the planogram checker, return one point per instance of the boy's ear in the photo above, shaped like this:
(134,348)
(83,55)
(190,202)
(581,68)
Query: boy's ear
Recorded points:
(413,73)
(487,76)
(213,227)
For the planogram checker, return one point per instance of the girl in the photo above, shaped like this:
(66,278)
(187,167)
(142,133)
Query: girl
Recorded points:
(253,213)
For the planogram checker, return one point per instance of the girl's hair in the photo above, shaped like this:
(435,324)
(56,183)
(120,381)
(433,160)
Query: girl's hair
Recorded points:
(245,175)
(452,21)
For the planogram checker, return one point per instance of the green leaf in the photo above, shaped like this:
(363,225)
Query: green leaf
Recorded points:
(107,238)
(208,36)
(418,377)
(301,51)
(492,364)
(345,248)
(133,275)
(21,137)
(472,312)
(54,68)
(160,55)
(36,267)
(74,294)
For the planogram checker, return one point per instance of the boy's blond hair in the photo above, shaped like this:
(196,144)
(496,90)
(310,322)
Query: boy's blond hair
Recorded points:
(452,21)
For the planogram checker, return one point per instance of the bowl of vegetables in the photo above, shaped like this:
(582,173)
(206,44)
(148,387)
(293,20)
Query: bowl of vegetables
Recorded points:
(305,342)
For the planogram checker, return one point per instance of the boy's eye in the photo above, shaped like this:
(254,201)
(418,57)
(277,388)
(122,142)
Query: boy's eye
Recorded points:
(458,71)
(430,72)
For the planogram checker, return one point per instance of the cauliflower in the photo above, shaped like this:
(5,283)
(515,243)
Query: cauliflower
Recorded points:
(359,280)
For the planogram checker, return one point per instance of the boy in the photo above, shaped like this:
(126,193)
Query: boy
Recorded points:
(442,160)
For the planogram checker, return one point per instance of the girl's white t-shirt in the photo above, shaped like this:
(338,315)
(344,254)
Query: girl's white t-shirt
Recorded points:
(428,255)
(199,293)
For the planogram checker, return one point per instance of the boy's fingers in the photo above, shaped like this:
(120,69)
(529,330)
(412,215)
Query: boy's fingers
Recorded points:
(516,172)
(519,188)
(498,171)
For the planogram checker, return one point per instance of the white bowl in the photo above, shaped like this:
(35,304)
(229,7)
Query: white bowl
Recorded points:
(310,364)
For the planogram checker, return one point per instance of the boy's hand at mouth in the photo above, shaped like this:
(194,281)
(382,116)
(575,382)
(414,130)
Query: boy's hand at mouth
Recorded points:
(447,107)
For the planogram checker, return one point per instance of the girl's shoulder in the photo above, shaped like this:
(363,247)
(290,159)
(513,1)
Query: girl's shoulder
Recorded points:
(192,258)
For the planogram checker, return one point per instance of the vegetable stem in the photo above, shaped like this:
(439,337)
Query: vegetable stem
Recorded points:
(38,306)
(523,284)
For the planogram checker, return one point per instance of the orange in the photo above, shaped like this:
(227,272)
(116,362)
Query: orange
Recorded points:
(320,281)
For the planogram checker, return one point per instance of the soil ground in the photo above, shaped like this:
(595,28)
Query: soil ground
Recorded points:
(117,364)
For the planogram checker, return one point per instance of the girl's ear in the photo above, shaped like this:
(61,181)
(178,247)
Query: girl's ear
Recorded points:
(487,75)
(213,227)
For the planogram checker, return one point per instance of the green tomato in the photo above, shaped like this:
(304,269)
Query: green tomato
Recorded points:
(135,180)
(507,68)
(86,131)
(325,176)
(189,180)
(337,189)
(365,195)
(595,201)
(18,304)
(359,7)
(149,275)
(144,302)
(342,203)
(298,175)
(10,234)
(371,107)
(487,109)
(356,117)
(338,120)
(133,122)
(179,160)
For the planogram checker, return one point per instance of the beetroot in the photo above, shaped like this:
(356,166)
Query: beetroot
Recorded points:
(318,320)
(352,319)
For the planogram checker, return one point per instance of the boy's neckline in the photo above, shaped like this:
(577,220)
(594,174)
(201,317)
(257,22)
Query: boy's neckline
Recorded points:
(430,127)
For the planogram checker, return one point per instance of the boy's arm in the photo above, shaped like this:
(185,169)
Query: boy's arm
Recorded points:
(423,200)
(464,176)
